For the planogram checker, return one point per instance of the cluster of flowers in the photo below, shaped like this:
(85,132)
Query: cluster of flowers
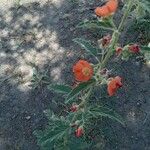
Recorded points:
(79,131)
(84,71)
(127,50)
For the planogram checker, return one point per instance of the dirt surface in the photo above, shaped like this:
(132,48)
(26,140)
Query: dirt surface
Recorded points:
(40,36)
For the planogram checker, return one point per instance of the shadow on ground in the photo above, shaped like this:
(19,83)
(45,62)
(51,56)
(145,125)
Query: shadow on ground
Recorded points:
(33,36)
(40,36)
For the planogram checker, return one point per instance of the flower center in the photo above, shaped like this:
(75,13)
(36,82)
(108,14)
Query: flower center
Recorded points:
(86,71)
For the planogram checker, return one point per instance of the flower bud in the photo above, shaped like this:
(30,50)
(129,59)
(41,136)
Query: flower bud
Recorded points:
(79,132)
(74,108)
(103,71)
(113,85)
(134,48)
(106,40)
(118,50)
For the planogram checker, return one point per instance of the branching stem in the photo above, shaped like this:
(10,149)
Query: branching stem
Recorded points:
(115,38)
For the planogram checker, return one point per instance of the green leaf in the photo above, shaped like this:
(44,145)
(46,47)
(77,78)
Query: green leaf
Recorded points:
(145,49)
(147,57)
(79,89)
(145,5)
(105,112)
(54,133)
(86,45)
(104,24)
(57,136)
(139,12)
(60,88)
(78,143)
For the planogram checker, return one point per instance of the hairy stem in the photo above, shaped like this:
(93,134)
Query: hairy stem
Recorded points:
(84,100)
(86,97)
(115,36)
(126,14)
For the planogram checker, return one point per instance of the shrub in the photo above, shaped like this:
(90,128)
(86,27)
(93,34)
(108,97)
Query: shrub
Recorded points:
(72,130)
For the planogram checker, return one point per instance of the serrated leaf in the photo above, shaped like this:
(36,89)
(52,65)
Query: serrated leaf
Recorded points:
(54,133)
(79,89)
(57,136)
(105,112)
(78,143)
(147,57)
(145,5)
(145,49)
(104,24)
(86,45)
(60,88)
(139,12)
(49,114)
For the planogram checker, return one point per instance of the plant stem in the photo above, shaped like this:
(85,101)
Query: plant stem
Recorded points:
(86,97)
(82,103)
(129,6)
(115,36)
(112,22)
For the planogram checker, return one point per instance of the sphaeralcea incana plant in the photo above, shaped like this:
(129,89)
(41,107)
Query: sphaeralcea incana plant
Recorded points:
(70,130)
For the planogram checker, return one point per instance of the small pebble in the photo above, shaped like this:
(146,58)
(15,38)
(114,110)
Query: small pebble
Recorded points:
(139,104)
(28,117)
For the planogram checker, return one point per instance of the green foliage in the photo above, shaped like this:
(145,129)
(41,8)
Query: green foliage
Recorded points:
(60,131)
(145,5)
(141,26)
(60,88)
(59,135)
(142,7)
(146,52)
(39,79)
(98,24)
(145,49)
(55,133)
(99,111)
(147,56)
(87,46)
(139,12)
(77,90)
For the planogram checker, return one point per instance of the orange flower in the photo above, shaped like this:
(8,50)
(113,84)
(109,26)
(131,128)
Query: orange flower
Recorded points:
(112,5)
(79,132)
(102,11)
(108,9)
(113,85)
(83,71)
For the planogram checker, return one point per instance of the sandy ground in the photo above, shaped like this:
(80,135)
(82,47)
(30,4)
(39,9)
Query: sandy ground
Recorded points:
(6,4)
(28,39)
